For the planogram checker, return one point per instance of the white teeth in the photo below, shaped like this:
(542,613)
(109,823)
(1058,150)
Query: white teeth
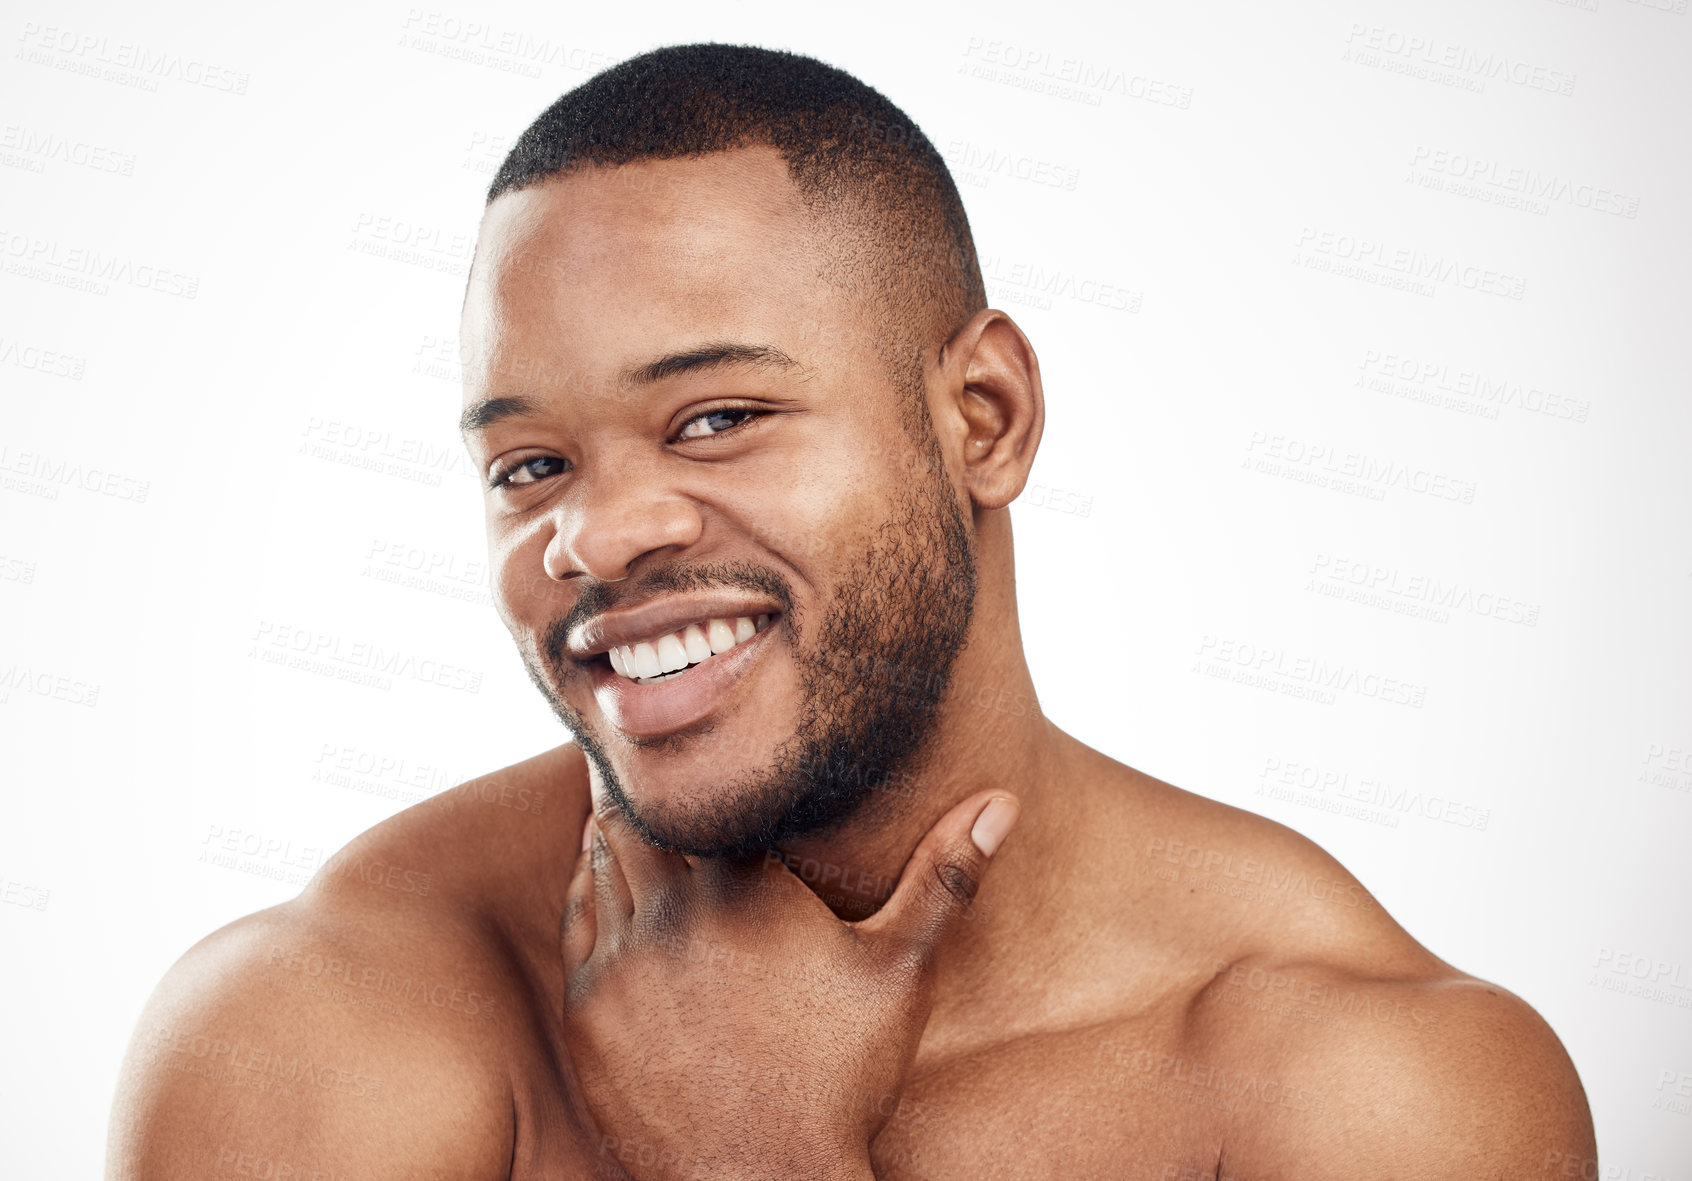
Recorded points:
(671,654)
(720,635)
(698,647)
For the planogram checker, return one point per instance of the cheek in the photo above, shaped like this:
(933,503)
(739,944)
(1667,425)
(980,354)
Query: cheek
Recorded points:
(522,591)
(819,535)
(817,513)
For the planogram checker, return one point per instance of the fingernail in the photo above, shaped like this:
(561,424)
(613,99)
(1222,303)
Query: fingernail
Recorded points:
(587,833)
(994,824)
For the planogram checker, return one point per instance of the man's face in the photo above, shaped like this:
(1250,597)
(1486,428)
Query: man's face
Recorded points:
(692,452)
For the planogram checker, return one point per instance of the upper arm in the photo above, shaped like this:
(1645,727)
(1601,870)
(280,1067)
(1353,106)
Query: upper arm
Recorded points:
(254,1058)
(1498,1087)
(1476,1085)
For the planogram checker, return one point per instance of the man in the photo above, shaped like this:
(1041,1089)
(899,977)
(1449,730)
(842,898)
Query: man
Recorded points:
(817,891)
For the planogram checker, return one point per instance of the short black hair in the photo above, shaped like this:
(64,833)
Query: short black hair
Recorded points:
(854,156)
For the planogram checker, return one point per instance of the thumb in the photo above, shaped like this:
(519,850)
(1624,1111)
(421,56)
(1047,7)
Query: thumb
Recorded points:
(940,880)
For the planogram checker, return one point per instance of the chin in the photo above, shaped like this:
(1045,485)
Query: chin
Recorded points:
(711,788)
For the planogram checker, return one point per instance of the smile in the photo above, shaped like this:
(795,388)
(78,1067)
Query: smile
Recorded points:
(676,653)
(683,671)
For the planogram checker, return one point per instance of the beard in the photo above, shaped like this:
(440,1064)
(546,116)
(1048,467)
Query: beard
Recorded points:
(873,680)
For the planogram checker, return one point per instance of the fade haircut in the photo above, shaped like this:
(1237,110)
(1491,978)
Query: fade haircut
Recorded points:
(902,238)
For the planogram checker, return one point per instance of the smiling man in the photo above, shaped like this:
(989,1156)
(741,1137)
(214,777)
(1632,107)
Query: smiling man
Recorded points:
(817,890)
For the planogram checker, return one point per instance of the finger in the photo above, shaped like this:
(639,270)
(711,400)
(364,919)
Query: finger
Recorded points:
(612,903)
(653,877)
(576,926)
(940,880)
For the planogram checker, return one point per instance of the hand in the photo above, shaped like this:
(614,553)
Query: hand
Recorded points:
(725,1022)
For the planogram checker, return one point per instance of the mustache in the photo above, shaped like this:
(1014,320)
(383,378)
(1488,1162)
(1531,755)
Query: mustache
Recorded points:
(598,597)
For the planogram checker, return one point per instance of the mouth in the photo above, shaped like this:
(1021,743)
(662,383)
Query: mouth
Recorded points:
(677,653)
(678,678)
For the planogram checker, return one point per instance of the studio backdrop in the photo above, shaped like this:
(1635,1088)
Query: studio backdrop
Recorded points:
(1363,501)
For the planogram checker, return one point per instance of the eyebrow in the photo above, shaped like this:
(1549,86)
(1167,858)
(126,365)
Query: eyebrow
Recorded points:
(480,415)
(708,356)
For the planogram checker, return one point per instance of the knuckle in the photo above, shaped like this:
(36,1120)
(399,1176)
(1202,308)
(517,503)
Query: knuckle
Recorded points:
(906,957)
(581,990)
(957,880)
(575,909)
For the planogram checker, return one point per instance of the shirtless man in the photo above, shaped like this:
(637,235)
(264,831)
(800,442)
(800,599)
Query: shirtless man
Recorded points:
(746,417)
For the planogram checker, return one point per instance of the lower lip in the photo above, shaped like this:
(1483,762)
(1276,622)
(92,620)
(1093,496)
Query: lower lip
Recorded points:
(646,711)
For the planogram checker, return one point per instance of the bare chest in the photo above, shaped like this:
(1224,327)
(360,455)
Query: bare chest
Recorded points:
(1079,1105)
(1088,1105)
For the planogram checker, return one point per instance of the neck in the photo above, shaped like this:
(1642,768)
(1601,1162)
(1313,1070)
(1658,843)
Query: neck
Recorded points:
(991,733)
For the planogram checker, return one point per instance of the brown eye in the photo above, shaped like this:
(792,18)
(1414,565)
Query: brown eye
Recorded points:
(713,422)
(528,471)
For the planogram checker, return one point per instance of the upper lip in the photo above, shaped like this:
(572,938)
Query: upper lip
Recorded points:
(630,625)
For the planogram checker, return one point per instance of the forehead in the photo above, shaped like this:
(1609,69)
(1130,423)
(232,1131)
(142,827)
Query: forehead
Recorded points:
(587,273)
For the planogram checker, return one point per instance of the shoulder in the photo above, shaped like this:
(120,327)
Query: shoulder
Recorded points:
(1252,886)
(477,853)
(1387,1076)
(1357,1051)
(370,1026)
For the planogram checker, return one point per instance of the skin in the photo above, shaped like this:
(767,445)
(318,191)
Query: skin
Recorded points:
(1142,983)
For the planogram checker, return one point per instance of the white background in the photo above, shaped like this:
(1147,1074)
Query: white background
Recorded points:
(234,240)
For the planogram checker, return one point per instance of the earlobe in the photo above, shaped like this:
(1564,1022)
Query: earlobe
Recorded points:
(1001,404)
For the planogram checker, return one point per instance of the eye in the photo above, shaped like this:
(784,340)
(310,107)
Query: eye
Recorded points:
(528,471)
(715,422)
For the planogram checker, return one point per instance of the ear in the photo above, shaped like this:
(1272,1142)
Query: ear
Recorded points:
(990,391)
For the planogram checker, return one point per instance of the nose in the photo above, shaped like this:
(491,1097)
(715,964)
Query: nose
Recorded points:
(611,519)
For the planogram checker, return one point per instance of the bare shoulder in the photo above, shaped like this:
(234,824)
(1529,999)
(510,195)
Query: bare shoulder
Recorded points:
(1351,1049)
(1358,1075)
(370,1026)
